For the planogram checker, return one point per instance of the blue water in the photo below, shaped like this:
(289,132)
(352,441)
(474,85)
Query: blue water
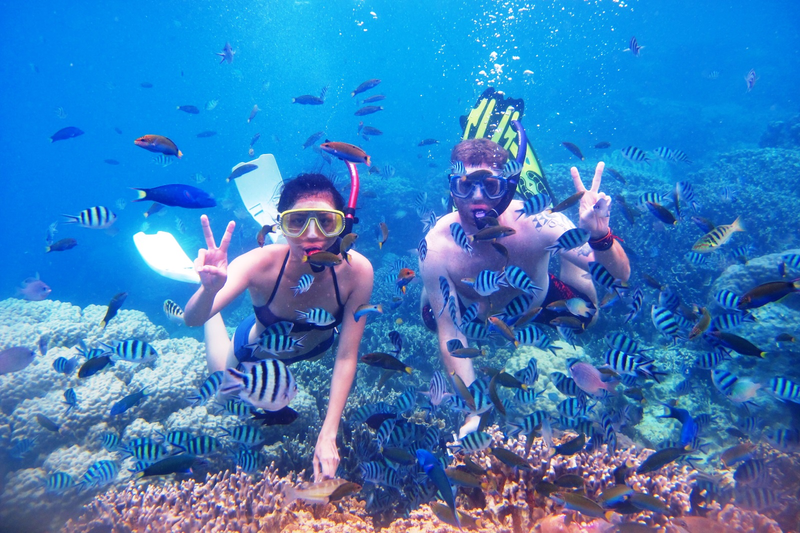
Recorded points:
(685,91)
(584,88)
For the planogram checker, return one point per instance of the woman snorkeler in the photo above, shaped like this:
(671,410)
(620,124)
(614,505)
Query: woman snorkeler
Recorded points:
(311,219)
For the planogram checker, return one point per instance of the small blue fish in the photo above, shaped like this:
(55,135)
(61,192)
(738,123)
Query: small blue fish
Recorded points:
(127,402)
(176,195)
(367,309)
(437,475)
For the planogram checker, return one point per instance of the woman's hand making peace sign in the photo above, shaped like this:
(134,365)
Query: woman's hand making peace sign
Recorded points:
(212,262)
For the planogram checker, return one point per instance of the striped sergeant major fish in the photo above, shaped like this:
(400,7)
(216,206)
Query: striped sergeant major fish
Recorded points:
(784,389)
(317,316)
(145,449)
(162,160)
(246,435)
(267,384)
(59,481)
(534,205)
(709,360)
(444,288)
(99,473)
(133,351)
(602,276)
(731,320)
(637,299)
(203,445)
(173,311)
(723,380)
(486,282)
(569,240)
(429,222)
(517,278)
(460,237)
(208,389)
(668,154)
(422,250)
(727,299)
(635,155)
(472,442)
(471,313)
(664,321)
(98,217)
(633,47)
(620,341)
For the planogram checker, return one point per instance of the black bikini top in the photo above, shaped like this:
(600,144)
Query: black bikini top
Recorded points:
(267,317)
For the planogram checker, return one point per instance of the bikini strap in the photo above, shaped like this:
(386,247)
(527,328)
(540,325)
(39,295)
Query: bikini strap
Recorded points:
(278,281)
(336,288)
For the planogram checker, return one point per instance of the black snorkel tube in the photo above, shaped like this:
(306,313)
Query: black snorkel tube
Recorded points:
(522,150)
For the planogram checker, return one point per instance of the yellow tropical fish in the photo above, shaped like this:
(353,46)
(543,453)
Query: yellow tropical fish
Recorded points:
(717,237)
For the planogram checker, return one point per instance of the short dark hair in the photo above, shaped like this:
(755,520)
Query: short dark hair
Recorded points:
(476,152)
(311,184)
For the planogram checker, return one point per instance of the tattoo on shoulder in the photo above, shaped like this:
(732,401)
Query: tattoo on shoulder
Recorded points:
(551,220)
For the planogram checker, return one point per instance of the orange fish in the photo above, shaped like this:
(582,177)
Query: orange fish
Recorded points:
(404,277)
(346,152)
(405,273)
(159,144)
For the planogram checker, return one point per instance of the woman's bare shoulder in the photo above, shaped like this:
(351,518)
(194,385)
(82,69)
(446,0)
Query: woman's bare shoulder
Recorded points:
(359,265)
(261,257)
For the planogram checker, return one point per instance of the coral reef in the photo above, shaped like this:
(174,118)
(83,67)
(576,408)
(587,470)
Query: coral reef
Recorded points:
(235,501)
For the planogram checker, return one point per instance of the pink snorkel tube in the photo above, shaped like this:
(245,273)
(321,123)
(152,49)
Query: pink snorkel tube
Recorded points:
(350,210)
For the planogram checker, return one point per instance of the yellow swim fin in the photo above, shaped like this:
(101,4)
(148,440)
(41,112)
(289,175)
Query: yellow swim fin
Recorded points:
(491,117)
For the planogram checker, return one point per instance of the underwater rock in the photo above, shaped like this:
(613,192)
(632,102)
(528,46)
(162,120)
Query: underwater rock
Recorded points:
(782,134)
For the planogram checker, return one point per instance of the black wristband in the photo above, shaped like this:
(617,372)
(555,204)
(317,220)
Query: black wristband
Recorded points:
(603,243)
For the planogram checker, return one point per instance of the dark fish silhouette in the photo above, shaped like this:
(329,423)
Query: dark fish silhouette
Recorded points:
(206,134)
(366,86)
(113,307)
(241,171)
(312,139)
(192,110)
(368,110)
(574,150)
(66,133)
(226,54)
(283,417)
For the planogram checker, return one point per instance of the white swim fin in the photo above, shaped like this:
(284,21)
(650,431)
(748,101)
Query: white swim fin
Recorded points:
(260,190)
(163,254)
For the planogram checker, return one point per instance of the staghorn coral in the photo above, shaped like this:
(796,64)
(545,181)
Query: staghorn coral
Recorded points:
(225,502)
(236,502)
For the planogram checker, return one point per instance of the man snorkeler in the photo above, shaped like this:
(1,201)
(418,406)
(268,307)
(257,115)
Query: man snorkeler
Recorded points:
(482,192)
